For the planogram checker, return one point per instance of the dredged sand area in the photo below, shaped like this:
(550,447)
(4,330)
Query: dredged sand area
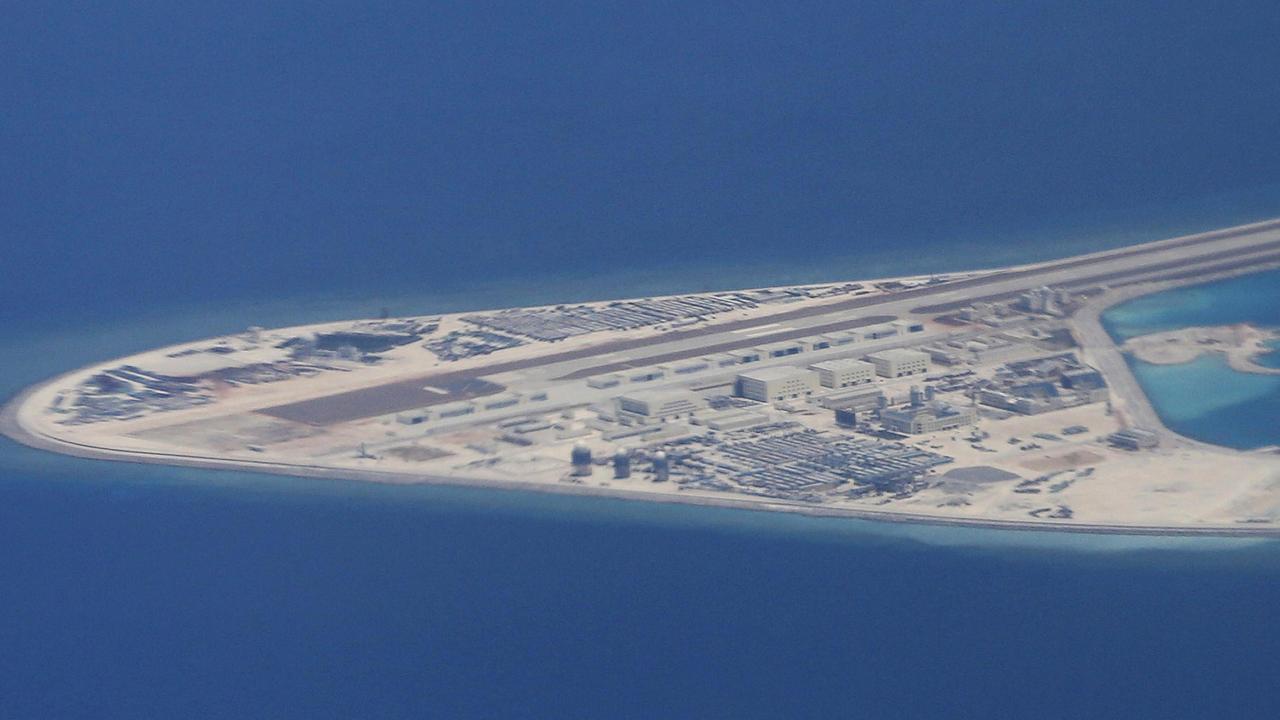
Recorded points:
(1178,488)
(1239,344)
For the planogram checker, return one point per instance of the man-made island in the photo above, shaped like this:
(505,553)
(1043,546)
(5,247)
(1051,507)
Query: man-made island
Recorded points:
(1240,344)
(989,397)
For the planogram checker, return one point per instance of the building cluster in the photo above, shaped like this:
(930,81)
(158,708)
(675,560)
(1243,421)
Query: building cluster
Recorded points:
(984,349)
(770,351)
(788,382)
(1042,301)
(127,392)
(565,321)
(460,408)
(461,344)
(925,414)
(1045,301)
(364,341)
(783,460)
(1031,387)
(788,460)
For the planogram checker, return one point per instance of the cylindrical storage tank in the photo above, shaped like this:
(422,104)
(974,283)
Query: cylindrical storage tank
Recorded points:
(621,464)
(581,459)
(661,467)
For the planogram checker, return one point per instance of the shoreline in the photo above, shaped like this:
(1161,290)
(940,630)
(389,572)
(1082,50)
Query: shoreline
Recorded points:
(13,429)
(1112,353)
(12,425)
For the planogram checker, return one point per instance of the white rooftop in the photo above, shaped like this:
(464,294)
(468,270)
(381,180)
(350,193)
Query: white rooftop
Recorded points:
(839,364)
(897,354)
(773,373)
(658,396)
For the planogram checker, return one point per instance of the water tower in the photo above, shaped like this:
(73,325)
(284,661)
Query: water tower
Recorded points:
(661,467)
(621,464)
(581,459)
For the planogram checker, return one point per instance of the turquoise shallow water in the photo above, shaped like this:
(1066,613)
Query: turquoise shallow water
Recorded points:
(1249,298)
(1207,399)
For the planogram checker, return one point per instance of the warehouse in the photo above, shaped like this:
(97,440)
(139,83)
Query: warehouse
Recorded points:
(899,362)
(845,372)
(660,403)
(777,383)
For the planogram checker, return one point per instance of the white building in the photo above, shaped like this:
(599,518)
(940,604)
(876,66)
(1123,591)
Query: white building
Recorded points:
(660,403)
(501,400)
(777,383)
(604,381)
(840,337)
(844,373)
(781,349)
(914,420)
(414,417)
(899,362)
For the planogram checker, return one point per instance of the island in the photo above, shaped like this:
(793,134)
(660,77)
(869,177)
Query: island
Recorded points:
(990,397)
(1240,344)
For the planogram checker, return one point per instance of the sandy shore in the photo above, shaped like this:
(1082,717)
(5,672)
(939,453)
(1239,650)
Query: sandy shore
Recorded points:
(13,428)
(24,420)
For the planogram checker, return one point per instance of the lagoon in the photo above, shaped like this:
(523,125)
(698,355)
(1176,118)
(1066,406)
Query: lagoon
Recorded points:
(1206,399)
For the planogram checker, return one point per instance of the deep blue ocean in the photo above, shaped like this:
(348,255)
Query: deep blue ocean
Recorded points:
(175,170)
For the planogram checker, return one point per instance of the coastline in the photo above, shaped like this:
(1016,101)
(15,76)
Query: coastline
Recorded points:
(11,427)
(1110,353)
(1134,405)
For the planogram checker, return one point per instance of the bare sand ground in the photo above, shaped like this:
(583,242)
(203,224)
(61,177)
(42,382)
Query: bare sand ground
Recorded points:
(1187,490)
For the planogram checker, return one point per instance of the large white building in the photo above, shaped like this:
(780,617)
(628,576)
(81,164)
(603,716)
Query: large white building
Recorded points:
(660,403)
(845,372)
(777,383)
(899,362)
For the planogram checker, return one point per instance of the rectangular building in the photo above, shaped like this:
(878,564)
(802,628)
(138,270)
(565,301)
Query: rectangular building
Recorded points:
(905,327)
(722,360)
(413,417)
(604,381)
(500,401)
(660,403)
(777,383)
(647,375)
(844,373)
(1134,439)
(879,332)
(899,362)
(840,337)
(685,368)
(914,420)
(455,409)
(867,398)
(781,349)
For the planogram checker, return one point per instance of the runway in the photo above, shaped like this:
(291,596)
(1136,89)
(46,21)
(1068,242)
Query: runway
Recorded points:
(1217,251)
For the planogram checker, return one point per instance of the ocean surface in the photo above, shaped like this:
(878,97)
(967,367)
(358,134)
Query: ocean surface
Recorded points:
(176,170)
(1206,399)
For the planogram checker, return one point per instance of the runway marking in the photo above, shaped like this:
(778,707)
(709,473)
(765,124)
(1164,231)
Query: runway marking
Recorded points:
(759,332)
(435,390)
(750,331)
